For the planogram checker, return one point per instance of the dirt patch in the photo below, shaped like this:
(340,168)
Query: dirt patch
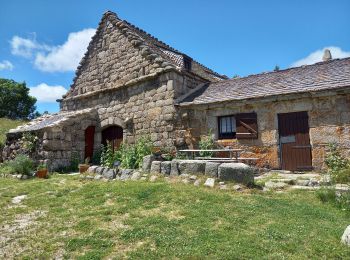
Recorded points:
(22,225)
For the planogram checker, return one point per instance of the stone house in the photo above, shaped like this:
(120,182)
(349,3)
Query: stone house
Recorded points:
(130,84)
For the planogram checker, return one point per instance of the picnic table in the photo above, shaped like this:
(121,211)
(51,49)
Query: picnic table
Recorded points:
(233,153)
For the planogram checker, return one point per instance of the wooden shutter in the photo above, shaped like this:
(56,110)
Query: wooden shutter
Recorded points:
(246,126)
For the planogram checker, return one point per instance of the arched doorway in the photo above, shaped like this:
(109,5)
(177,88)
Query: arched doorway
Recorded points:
(89,142)
(112,135)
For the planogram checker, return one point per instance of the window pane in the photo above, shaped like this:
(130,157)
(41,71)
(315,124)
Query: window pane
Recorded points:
(233,123)
(223,125)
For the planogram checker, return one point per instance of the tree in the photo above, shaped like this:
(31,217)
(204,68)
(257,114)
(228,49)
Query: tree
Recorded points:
(15,101)
(277,68)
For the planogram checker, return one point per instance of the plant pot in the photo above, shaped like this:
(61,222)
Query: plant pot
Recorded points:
(83,168)
(41,173)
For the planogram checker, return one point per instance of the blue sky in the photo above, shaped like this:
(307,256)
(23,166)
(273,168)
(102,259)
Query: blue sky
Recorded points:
(41,42)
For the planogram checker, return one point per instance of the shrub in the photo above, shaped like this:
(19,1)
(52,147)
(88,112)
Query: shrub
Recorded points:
(339,166)
(30,141)
(107,156)
(329,195)
(130,155)
(22,164)
(207,143)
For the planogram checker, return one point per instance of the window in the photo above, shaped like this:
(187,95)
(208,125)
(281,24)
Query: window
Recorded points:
(240,126)
(227,127)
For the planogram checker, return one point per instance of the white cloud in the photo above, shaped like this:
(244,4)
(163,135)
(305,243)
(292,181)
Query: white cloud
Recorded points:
(26,47)
(316,56)
(67,56)
(6,65)
(46,93)
(61,58)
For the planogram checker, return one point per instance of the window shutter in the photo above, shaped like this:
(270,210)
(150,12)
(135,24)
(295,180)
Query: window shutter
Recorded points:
(247,126)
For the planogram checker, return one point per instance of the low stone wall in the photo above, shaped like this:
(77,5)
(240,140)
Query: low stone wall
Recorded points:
(237,172)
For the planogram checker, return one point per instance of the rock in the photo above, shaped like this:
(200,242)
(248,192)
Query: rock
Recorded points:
(186,181)
(147,162)
(237,187)
(92,169)
(223,187)
(135,176)
(109,173)
(211,169)
(165,167)
(125,174)
(174,171)
(98,177)
(302,182)
(99,170)
(193,177)
(298,187)
(190,167)
(25,177)
(184,175)
(238,172)
(19,176)
(345,238)
(18,199)
(143,178)
(210,182)
(313,182)
(221,183)
(153,178)
(275,185)
(155,167)
(197,183)
(342,187)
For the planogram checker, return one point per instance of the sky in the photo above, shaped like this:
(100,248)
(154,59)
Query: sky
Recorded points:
(42,41)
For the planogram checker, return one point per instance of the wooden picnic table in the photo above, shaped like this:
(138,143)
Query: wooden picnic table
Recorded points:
(230,151)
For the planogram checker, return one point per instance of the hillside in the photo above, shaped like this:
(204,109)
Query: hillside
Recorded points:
(7,124)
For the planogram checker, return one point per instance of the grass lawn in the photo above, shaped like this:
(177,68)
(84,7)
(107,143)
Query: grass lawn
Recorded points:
(67,217)
(7,124)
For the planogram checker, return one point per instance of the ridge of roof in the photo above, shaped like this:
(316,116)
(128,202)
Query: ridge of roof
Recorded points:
(286,70)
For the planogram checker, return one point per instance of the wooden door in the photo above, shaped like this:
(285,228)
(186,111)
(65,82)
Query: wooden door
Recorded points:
(295,148)
(112,135)
(89,141)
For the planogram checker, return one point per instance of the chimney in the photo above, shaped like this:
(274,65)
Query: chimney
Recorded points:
(327,55)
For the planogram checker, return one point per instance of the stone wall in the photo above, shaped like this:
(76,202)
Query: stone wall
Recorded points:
(144,108)
(329,122)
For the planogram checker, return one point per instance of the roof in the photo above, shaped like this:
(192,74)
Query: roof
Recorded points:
(147,43)
(50,120)
(321,76)
(171,54)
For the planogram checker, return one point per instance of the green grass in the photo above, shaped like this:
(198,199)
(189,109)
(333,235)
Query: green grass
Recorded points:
(72,218)
(7,124)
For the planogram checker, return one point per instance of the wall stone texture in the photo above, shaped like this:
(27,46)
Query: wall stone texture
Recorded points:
(329,122)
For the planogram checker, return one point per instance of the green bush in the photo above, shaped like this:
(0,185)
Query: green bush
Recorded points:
(107,156)
(329,195)
(338,166)
(129,155)
(22,164)
(207,143)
